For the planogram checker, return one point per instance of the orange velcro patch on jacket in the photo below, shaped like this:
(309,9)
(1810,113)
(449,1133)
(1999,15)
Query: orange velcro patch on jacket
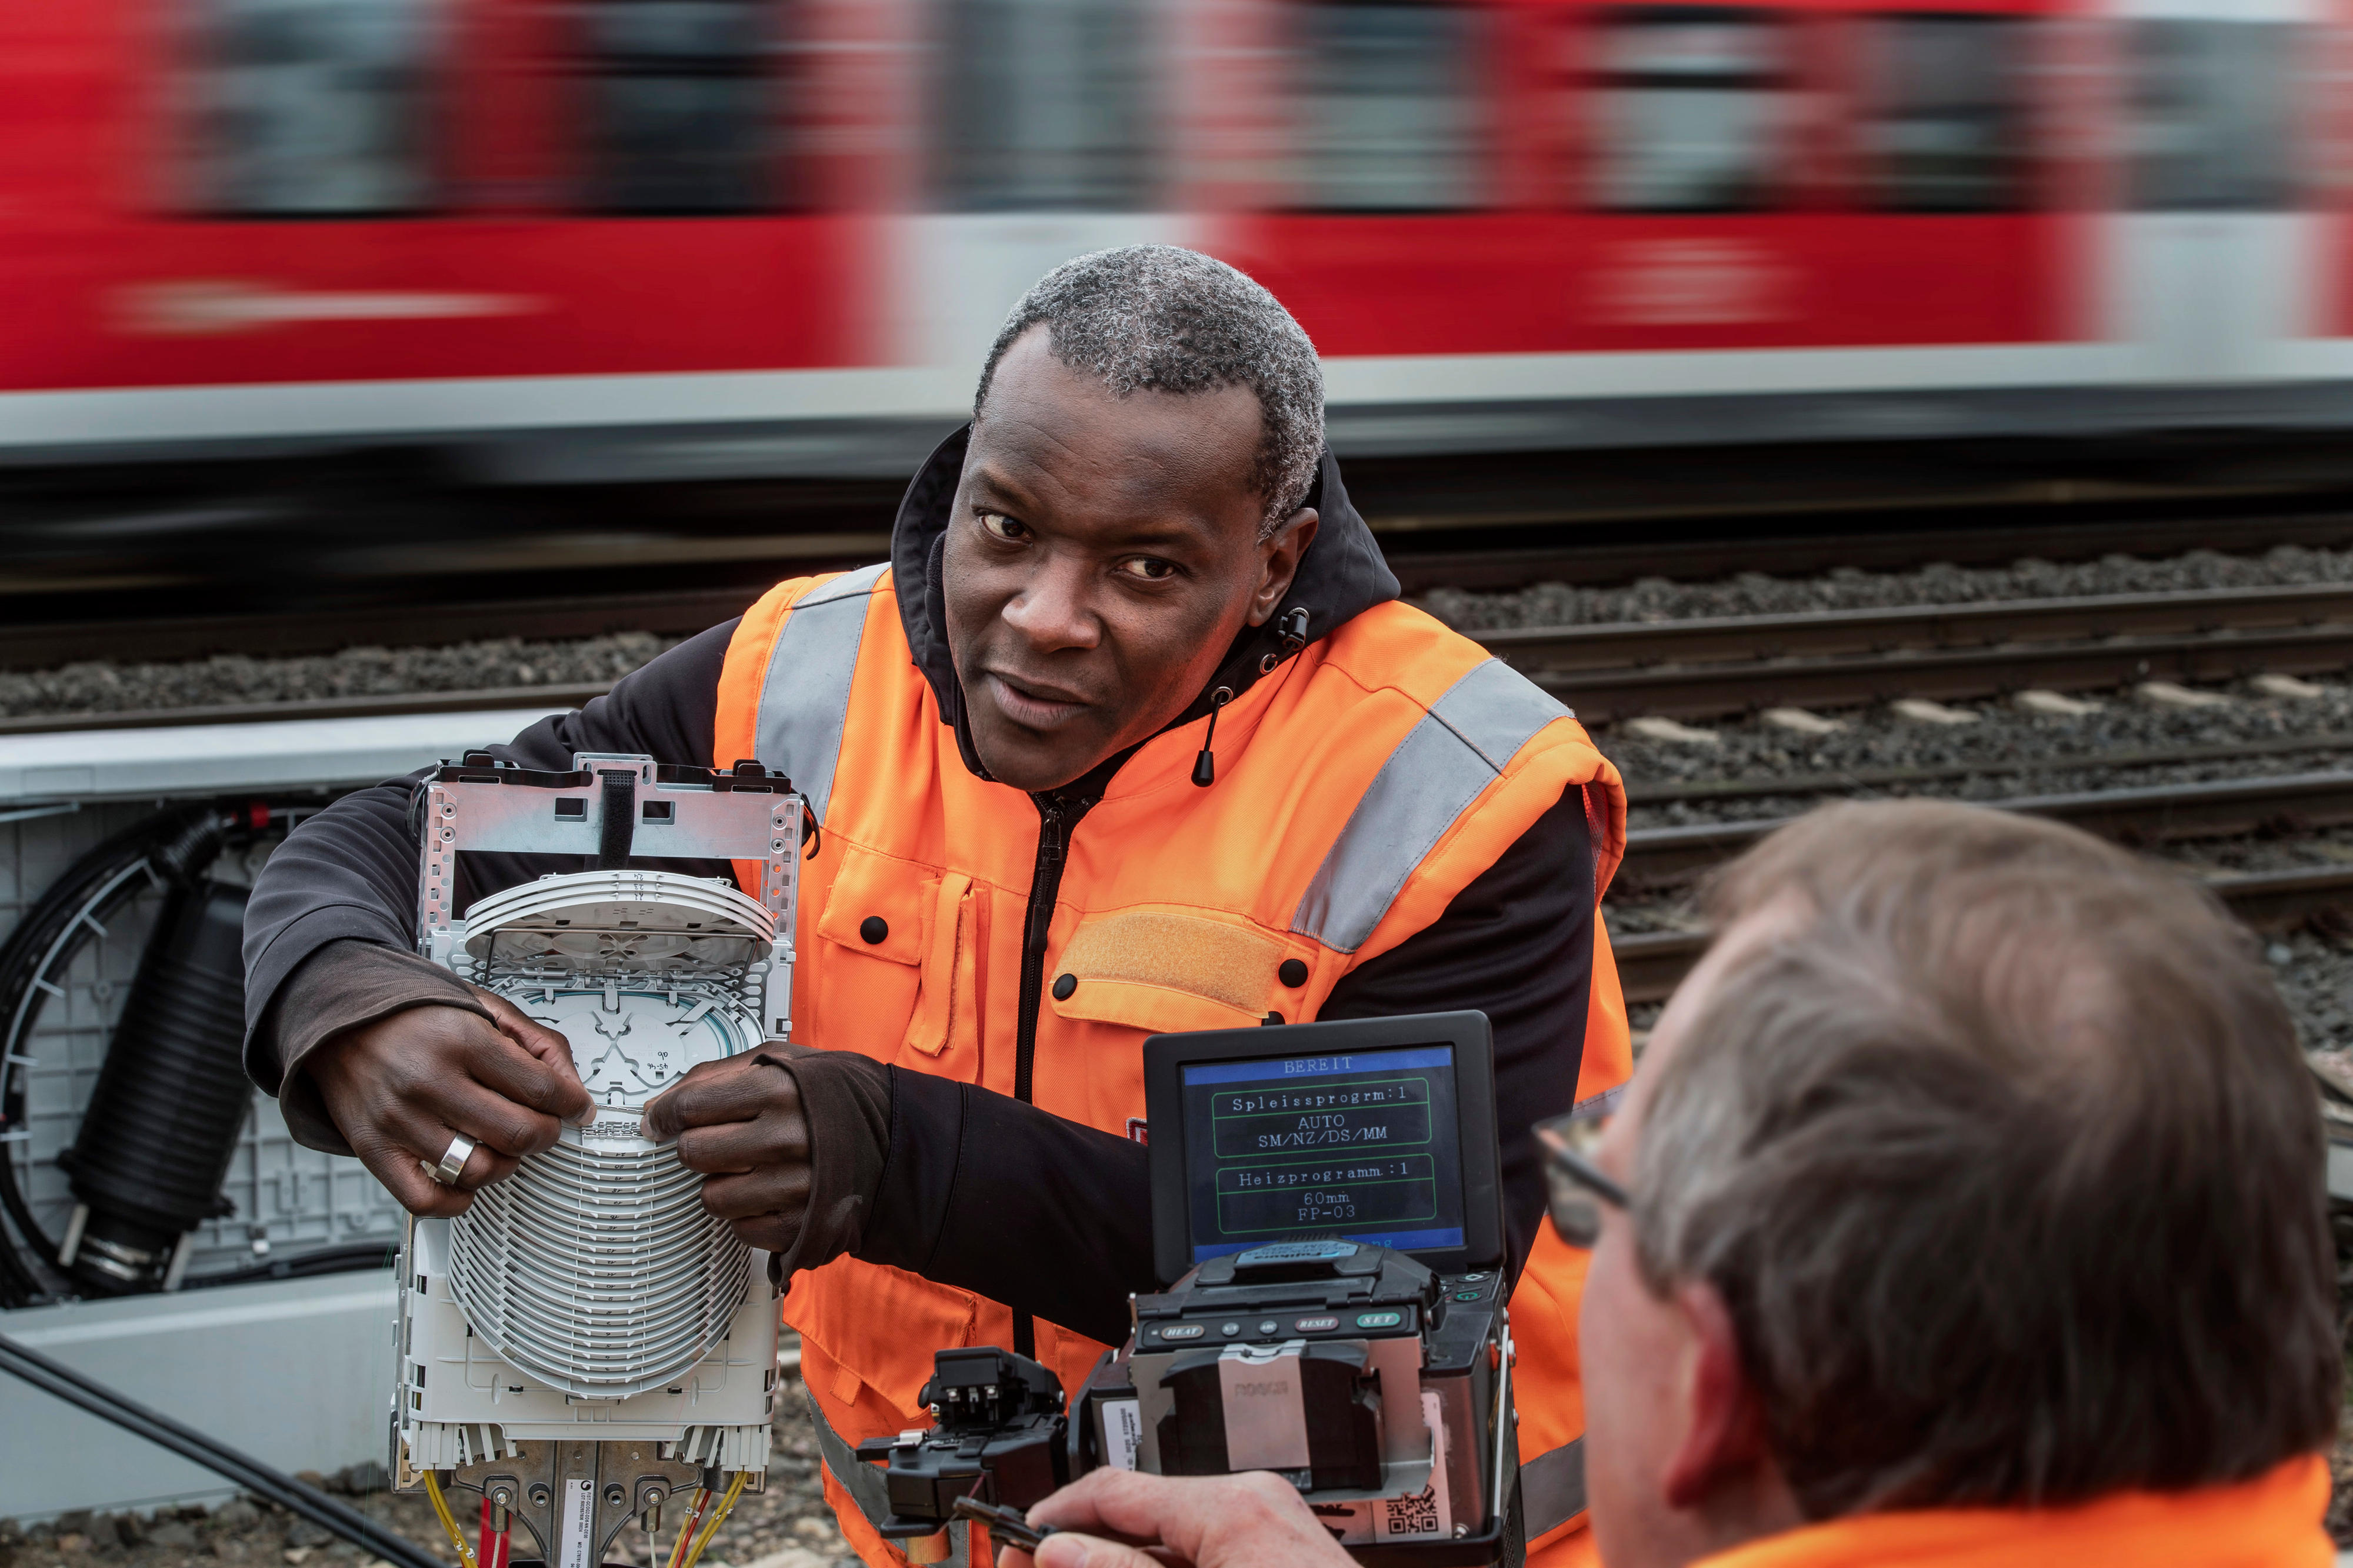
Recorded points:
(1182,952)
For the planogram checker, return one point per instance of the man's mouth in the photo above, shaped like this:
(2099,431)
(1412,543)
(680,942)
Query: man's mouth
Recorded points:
(1031,704)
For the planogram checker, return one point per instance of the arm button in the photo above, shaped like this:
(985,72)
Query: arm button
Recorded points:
(873,929)
(1063,985)
(1292,973)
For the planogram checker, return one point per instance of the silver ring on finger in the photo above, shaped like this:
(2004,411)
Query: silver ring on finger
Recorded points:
(453,1161)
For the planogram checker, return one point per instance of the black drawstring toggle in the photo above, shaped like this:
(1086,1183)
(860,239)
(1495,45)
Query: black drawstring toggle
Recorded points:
(1205,766)
(1292,630)
(1293,627)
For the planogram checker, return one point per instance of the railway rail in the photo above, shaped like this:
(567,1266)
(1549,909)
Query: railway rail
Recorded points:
(1661,858)
(1487,548)
(1698,667)
(1710,666)
(1651,963)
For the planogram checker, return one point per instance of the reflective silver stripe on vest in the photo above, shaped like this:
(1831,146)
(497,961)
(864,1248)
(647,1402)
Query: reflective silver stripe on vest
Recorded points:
(804,695)
(1465,739)
(865,1484)
(1552,1488)
(1597,1107)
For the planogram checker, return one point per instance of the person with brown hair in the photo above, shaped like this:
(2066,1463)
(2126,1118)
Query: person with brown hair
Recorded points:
(1966,1209)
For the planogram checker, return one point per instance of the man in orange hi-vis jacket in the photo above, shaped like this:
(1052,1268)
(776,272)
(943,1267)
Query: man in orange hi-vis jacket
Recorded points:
(1131,735)
(1966,1212)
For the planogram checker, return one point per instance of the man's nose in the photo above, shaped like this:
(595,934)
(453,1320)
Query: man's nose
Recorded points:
(1054,610)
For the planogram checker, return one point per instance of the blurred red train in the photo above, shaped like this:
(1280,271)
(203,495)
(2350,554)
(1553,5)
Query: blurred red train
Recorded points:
(651,239)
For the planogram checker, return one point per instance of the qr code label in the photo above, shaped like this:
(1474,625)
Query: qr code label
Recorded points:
(1414,1515)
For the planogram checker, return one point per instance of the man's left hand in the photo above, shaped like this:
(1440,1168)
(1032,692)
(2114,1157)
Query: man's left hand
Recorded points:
(739,1123)
(1254,1521)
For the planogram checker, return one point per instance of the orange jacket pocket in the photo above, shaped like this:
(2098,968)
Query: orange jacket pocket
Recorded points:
(1165,970)
(867,1316)
(873,934)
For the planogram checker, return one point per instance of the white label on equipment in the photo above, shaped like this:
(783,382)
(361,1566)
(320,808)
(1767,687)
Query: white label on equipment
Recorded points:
(1428,1514)
(577,1523)
(1123,1433)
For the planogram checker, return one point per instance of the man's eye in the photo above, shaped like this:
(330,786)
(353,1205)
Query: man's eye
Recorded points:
(1149,568)
(1000,526)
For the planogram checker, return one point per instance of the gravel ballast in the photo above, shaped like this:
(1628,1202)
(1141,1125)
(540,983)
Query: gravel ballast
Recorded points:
(1848,588)
(76,689)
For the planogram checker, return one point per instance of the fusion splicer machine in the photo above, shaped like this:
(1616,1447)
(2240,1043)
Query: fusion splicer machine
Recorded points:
(1326,1205)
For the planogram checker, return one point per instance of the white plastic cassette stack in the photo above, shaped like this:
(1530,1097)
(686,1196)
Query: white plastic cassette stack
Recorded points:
(585,1340)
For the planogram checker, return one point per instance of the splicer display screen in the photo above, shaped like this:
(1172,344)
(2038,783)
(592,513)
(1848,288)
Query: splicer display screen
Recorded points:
(1361,1145)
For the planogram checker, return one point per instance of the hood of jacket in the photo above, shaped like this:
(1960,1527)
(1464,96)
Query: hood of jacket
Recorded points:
(1341,576)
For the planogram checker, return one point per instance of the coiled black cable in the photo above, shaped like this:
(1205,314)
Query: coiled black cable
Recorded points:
(170,849)
(171,846)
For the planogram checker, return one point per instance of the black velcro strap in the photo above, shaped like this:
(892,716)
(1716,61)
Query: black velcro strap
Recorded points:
(620,827)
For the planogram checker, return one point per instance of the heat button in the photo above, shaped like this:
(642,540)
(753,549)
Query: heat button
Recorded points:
(1182,1331)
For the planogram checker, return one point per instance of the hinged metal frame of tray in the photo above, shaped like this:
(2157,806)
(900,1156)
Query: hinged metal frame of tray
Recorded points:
(609,808)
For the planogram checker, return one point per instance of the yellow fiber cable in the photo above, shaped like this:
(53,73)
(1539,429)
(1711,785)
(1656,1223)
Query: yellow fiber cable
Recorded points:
(441,1507)
(688,1525)
(735,1491)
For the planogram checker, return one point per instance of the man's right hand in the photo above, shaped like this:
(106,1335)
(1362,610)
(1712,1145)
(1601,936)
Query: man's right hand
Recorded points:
(1252,1521)
(400,1089)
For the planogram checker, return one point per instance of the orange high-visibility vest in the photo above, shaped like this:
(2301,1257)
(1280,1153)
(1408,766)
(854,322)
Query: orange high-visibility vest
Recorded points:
(1360,786)
(2271,1521)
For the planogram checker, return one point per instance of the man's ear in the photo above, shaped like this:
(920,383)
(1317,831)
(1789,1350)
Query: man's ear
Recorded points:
(1279,559)
(1723,1444)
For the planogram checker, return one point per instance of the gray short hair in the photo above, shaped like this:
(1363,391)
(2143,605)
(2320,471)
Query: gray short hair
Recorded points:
(1155,318)
(2006,1165)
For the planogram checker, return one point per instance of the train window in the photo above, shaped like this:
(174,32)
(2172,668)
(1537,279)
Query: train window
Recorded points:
(1945,127)
(306,108)
(1692,101)
(1046,104)
(1388,111)
(681,107)
(2212,114)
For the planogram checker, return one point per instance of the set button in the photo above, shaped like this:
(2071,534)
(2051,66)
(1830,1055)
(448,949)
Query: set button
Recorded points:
(1379,1320)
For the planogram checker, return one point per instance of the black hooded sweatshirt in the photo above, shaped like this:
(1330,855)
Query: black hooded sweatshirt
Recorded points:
(964,1187)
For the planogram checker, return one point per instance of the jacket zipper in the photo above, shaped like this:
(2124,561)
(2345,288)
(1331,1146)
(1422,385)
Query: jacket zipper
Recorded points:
(1045,885)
